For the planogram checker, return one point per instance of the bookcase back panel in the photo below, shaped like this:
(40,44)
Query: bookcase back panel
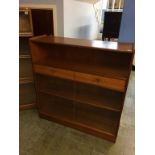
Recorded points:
(48,84)
(97,118)
(58,107)
(98,97)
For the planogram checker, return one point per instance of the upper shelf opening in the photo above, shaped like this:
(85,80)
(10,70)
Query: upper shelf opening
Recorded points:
(106,45)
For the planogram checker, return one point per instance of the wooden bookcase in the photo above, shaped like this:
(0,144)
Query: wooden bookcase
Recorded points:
(26,85)
(81,83)
(32,22)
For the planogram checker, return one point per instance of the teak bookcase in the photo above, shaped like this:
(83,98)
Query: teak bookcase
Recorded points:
(81,83)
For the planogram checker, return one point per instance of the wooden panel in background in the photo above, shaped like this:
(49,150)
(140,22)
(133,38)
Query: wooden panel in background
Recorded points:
(42,21)
(26,93)
(25,67)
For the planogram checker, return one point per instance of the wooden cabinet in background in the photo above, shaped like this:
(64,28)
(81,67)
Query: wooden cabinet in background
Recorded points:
(81,83)
(26,85)
(32,22)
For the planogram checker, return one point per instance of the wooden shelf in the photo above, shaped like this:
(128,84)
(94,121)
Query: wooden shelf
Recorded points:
(25,80)
(118,72)
(80,126)
(109,83)
(82,93)
(102,103)
(27,106)
(104,46)
(25,56)
(26,34)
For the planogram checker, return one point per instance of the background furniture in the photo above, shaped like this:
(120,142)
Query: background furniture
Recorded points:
(111,27)
(26,87)
(80,83)
(32,22)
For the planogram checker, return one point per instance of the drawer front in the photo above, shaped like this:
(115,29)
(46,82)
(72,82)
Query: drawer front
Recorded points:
(56,107)
(27,93)
(96,118)
(25,68)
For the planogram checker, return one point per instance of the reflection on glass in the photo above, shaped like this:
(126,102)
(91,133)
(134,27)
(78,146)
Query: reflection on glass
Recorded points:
(105,44)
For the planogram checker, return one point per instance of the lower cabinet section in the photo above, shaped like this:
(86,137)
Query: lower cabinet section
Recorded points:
(83,117)
(79,106)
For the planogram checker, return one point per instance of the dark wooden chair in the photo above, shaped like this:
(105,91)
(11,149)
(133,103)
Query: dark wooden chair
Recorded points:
(111,27)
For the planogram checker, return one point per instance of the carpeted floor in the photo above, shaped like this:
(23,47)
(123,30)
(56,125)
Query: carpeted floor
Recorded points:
(42,137)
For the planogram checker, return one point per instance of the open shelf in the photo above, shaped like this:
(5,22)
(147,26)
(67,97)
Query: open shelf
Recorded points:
(106,71)
(103,46)
(25,23)
(25,80)
(107,64)
(101,103)
(84,94)
(109,83)
(25,56)
(26,34)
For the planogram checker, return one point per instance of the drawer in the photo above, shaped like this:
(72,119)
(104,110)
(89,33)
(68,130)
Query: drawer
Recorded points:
(56,107)
(25,67)
(26,93)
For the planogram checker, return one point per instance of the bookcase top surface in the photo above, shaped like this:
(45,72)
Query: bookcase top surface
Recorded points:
(98,44)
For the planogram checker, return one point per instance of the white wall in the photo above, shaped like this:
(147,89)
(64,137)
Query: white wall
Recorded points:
(79,20)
